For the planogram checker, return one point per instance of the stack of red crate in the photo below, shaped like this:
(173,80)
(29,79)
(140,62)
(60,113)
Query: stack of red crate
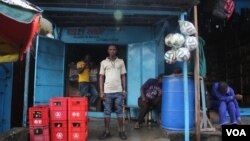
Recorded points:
(58,119)
(77,119)
(39,123)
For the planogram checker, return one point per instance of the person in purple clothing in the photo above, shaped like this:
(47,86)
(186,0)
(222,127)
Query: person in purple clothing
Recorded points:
(226,102)
(151,92)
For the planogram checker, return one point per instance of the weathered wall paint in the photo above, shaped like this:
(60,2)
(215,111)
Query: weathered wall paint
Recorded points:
(106,35)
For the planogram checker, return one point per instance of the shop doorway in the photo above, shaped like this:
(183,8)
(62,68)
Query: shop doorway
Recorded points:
(77,52)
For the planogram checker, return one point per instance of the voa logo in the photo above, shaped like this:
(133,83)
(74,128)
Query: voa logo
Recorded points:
(236,132)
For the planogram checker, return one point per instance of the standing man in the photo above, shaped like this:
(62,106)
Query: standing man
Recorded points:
(227,102)
(113,89)
(85,87)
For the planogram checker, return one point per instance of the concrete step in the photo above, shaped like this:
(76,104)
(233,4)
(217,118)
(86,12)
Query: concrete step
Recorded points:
(15,134)
(179,135)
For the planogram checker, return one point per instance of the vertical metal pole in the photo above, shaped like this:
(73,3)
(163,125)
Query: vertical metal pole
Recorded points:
(186,96)
(35,71)
(197,81)
(186,100)
(203,99)
(26,88)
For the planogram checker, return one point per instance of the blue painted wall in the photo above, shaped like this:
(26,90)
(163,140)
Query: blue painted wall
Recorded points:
(160,32)
(106,35)
(145,60)
(141,65)
(145,56)
(6,79)
(49,70)
(144,53)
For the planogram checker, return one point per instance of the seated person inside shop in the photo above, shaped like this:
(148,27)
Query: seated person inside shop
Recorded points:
(151,92)
(224,100)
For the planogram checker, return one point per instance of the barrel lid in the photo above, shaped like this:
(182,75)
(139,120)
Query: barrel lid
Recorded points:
(178,76)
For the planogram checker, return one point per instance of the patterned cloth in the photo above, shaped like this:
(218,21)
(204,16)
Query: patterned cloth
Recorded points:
(151,88)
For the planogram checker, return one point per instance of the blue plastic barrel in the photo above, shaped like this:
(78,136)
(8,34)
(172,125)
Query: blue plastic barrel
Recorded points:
(172,115)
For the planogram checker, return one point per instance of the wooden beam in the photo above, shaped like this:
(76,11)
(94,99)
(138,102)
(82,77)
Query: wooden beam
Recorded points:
(197,81)
(111,11)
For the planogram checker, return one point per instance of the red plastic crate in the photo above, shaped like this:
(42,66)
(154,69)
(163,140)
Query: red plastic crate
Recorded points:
(75,104)
(79,115)
(87,133)
(56,115)
(77,130)
(39,133)
(59,104)
(39,115)
(59,131)
(77,126)
(78,136)
(86,136)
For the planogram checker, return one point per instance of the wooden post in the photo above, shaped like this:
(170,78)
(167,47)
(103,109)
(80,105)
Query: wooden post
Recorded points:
(197,81)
